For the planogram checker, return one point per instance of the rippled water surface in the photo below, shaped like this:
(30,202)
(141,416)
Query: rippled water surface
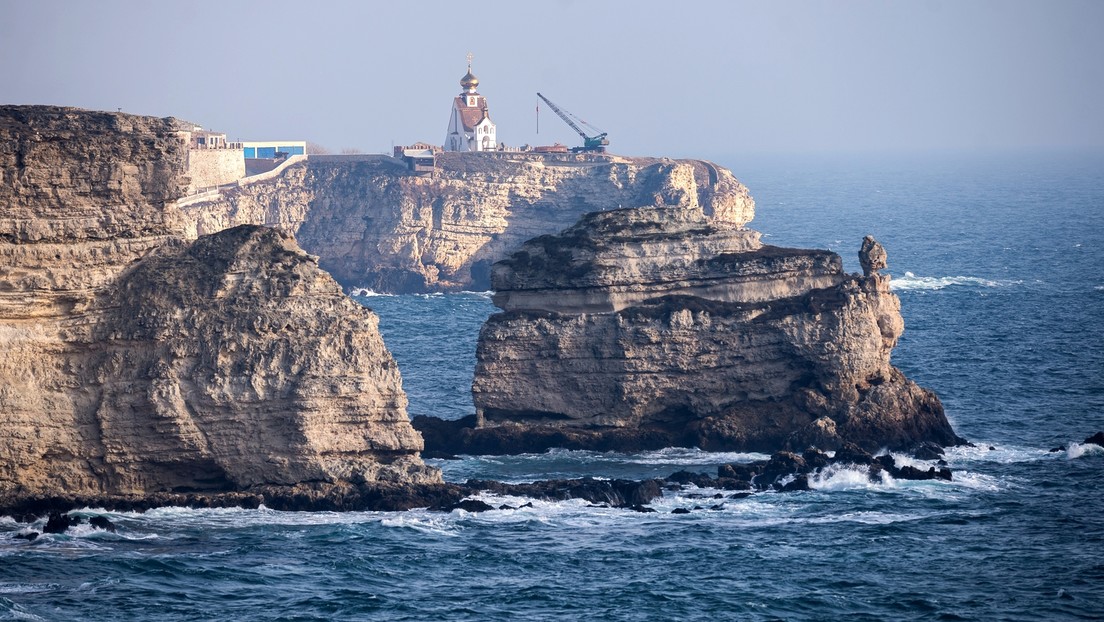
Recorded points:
(1000,270)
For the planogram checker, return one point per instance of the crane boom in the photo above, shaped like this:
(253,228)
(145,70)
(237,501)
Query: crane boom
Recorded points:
(590,143)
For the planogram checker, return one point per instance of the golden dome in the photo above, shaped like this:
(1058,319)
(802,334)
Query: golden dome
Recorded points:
(469,81)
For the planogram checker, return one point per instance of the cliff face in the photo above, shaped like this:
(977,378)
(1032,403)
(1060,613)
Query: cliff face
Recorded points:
(374,224)
(641,326)
(135,361)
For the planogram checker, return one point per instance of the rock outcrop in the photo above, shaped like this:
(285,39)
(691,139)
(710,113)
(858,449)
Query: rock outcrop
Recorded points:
(654,327)
(133,360)
(375,224)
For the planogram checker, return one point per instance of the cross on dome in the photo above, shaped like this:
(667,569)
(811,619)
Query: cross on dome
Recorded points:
(469,81)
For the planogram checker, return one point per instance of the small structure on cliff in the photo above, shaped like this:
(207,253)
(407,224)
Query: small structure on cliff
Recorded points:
(419,157)
(264,156)
(470,127)
(212,160)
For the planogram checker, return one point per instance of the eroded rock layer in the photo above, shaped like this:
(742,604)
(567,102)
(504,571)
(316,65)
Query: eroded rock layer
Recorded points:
(135,361)
(644,328)
(375,224)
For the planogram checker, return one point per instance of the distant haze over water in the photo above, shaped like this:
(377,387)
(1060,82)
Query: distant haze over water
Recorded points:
(706,78)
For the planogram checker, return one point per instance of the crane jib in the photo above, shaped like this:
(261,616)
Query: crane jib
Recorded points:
(590,143)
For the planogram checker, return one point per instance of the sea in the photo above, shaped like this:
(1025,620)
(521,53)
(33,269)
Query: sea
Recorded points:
(999,265)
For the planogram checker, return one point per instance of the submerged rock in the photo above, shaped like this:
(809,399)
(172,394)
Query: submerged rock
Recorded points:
(467,505)
(102,522)
(652,327)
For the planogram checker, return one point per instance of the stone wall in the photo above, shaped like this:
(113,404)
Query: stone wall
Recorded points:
(208,168)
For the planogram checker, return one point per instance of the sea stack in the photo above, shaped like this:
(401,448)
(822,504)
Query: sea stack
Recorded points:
(649,327)
(137,362)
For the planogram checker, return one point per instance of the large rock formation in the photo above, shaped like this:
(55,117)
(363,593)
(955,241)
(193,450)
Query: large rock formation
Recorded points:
(375,224)
(132,360)
(653,327)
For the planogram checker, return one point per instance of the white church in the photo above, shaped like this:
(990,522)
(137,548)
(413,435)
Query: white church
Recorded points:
(470,127)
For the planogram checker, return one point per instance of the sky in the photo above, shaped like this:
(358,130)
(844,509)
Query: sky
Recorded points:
(679,79)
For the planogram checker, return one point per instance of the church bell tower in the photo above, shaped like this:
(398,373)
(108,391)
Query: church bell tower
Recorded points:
(470,127)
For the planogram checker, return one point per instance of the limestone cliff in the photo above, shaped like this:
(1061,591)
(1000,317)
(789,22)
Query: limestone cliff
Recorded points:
(650,327)
(375,224)
(135,361)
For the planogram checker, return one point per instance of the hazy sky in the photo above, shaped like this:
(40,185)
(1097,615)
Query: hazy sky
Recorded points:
(672,78)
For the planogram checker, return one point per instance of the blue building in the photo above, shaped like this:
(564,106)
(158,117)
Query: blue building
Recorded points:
(267,150)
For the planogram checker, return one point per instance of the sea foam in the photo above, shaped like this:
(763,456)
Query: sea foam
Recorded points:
(364,292)
(911,282)
(1078,450)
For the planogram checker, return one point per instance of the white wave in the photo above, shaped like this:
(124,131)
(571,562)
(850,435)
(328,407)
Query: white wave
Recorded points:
(570,463)
(979,481)
(240,517)
(871,517)
(568,514)
(27,588)
(14,611)
(364,292)
(668,456)
(1077,450)
(422,522)
(839,477)
(487,294)
(911,282)
(1099,288)
(958,457)
(691,456)
(848,477)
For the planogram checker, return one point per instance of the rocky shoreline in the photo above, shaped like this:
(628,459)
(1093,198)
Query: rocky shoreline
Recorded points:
(783,472)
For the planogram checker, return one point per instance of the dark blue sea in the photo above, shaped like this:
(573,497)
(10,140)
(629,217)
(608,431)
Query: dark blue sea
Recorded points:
(999,264)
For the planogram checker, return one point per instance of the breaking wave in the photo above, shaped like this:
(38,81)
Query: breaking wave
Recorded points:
(1077,450)
(911,282)
(364,292)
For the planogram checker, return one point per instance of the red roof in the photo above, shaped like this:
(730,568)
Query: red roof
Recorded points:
(469,116)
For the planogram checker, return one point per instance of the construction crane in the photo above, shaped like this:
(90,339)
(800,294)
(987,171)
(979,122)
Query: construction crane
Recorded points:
(597,142)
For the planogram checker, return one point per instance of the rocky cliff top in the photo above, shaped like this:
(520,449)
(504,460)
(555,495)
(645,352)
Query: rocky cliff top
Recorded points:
(374,224)
(611,260)
(69,174)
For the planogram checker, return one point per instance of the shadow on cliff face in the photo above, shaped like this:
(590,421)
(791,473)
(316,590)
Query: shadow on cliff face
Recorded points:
(481,275)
